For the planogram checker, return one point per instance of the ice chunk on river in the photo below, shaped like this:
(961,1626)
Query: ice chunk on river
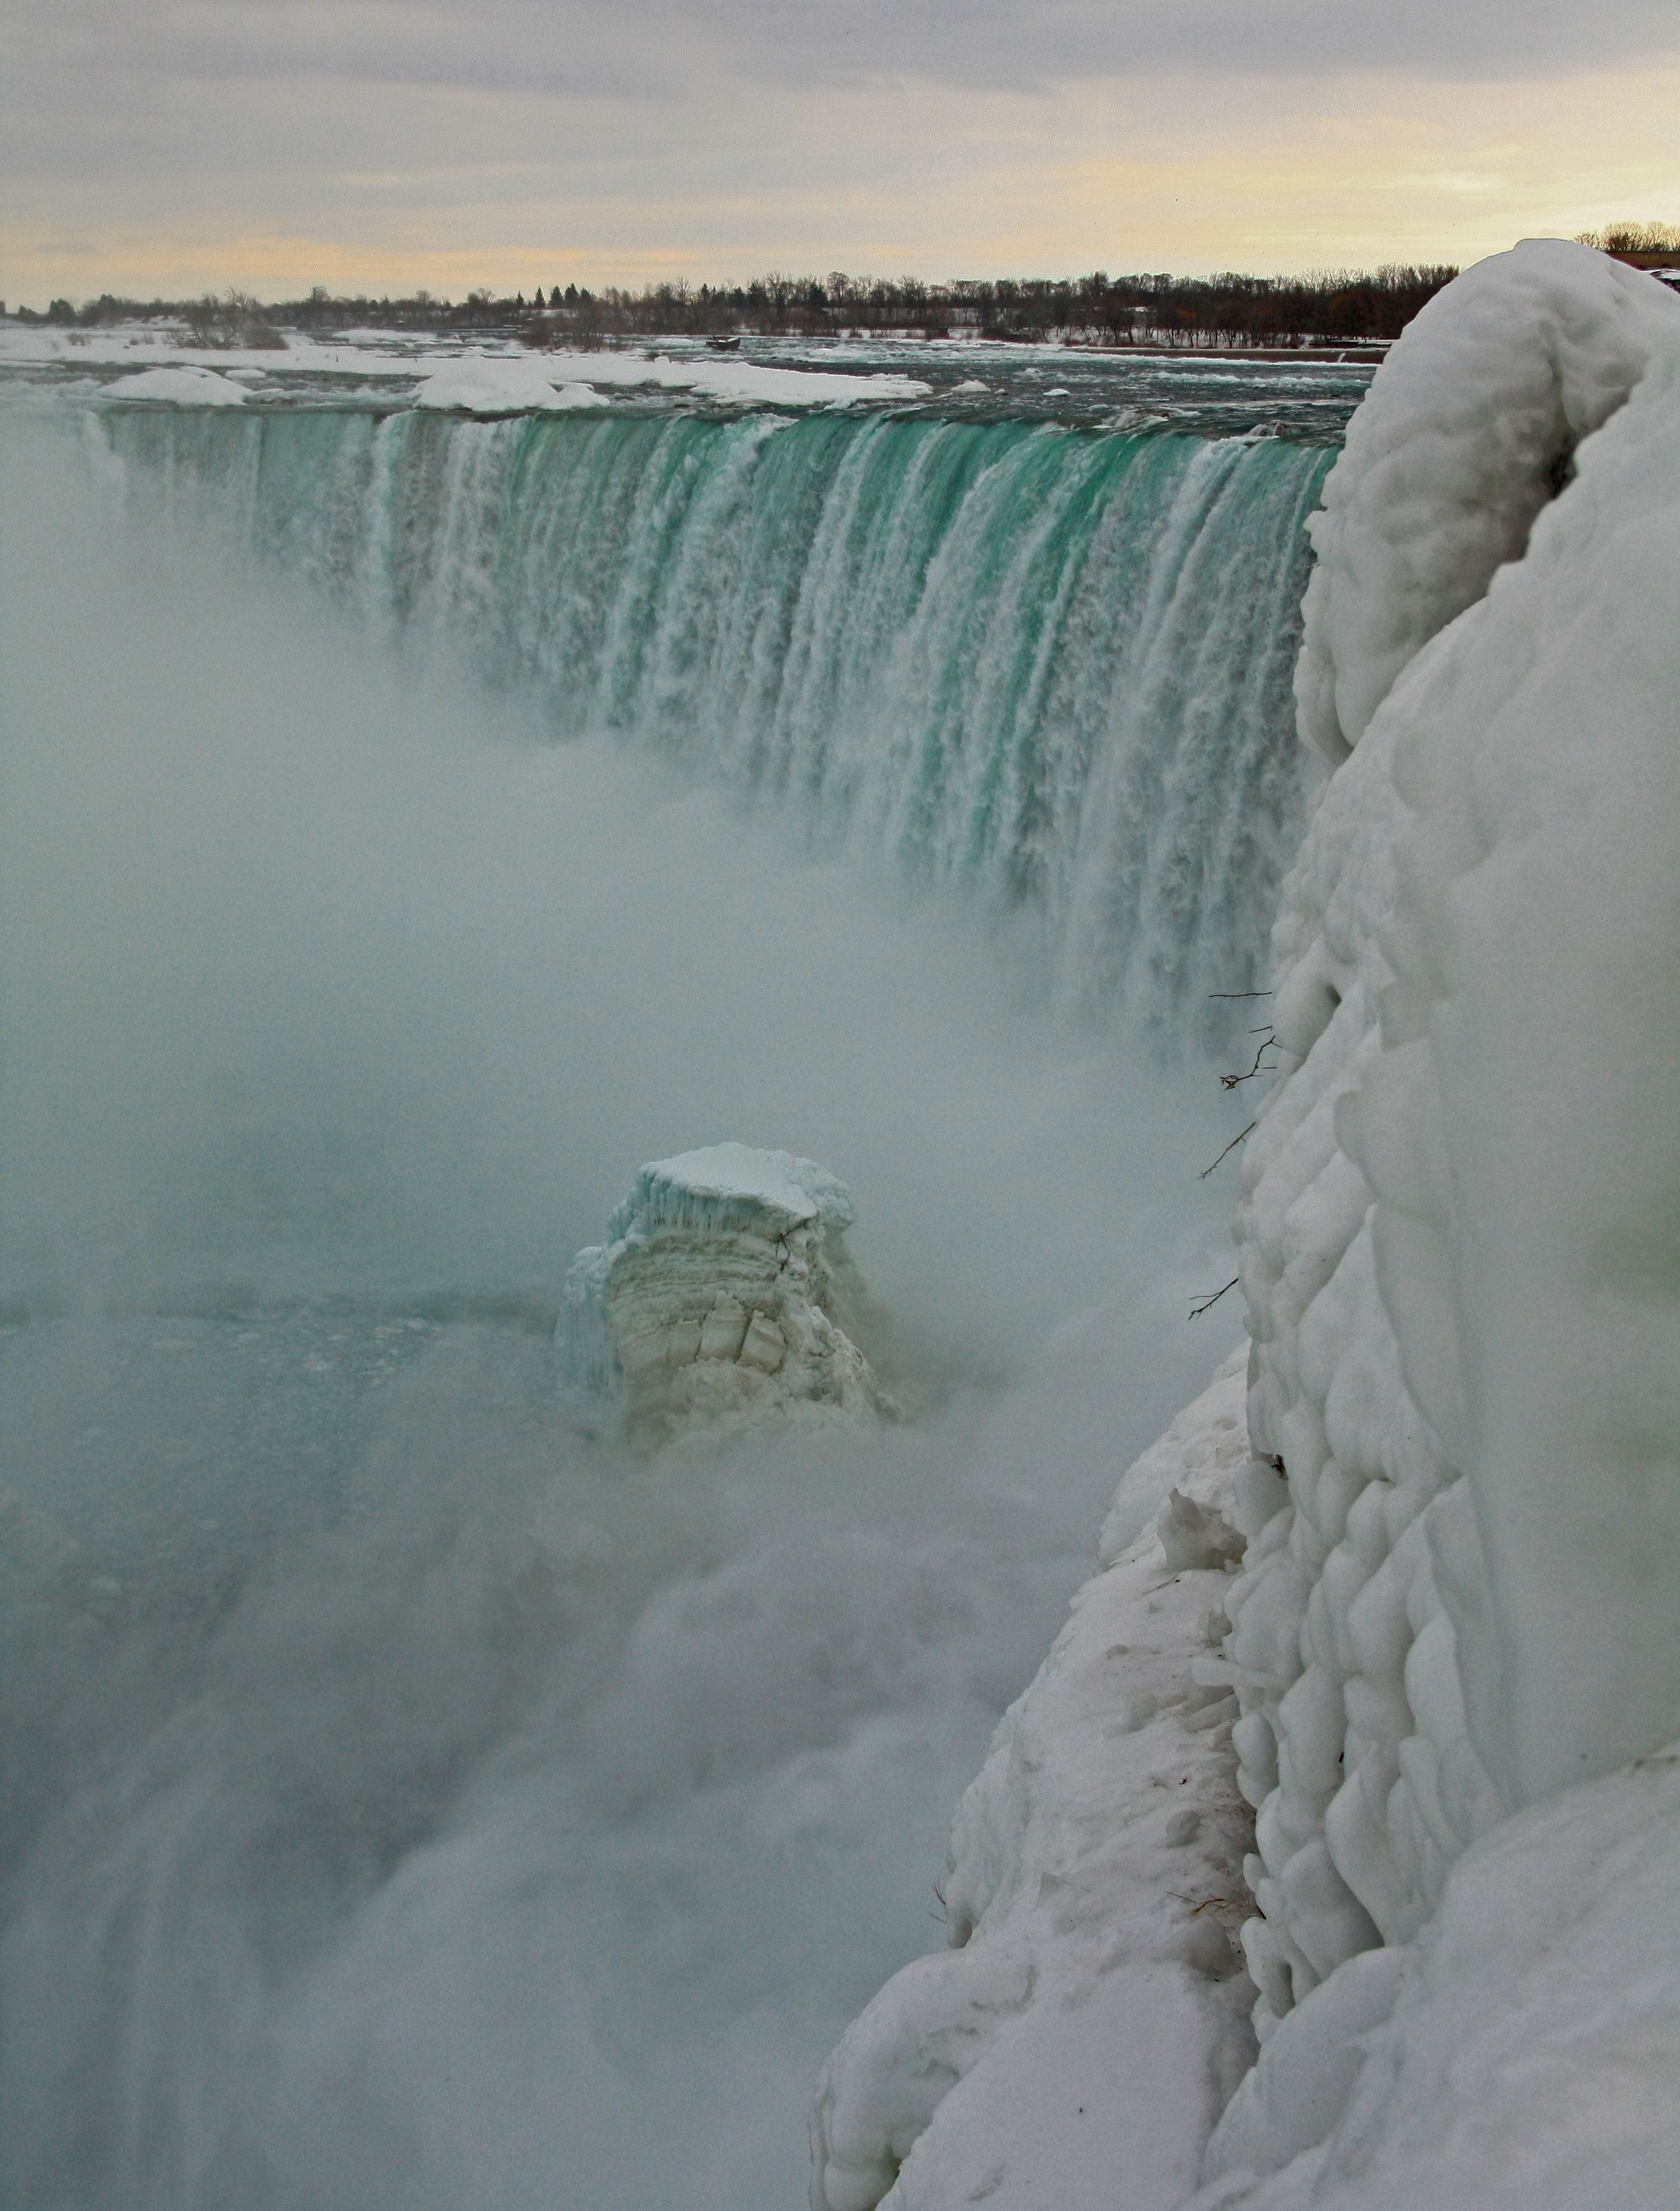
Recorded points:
(722,1291)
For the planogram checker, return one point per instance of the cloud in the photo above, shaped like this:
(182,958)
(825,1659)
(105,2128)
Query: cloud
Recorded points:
(390,143)
(641,47)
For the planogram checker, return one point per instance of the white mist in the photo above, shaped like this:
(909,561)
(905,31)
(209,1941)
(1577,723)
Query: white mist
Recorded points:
(409,1806)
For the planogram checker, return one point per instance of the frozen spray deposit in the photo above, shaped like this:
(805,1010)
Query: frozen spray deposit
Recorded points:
(718,1294)
(1448,1660)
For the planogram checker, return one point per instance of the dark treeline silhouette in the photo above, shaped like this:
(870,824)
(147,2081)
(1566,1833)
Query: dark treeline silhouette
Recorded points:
(1333,307)
(1219,310)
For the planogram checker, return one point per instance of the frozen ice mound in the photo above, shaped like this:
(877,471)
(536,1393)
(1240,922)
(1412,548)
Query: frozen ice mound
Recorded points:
(1073,2045)
(1456,1238)
(490,383)
(1453,1661)
(1522,2052)
(180,386)
(722,1292)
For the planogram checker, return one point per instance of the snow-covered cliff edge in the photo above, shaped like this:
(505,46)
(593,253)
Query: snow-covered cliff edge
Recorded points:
(1094,1896)
(1454,1640)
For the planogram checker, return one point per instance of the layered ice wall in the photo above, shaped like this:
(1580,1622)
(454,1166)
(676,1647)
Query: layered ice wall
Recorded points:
(1453,1651)
(716,1295)
(1458,1232)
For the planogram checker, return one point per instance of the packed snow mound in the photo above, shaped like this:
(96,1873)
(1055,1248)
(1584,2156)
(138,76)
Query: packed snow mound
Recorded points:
(1469,431)
(515,384)
(720,1293)
(1075,2045)
(1458,1236)
(479,384)
(1522,2052)
(728,379)
(178,387)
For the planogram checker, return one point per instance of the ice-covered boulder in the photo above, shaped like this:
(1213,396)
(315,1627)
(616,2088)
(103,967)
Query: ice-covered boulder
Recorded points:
(722,1291)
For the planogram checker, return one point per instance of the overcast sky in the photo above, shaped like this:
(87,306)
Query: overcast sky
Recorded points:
(179,145)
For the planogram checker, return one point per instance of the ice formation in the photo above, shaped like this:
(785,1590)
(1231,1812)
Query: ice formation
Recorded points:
(719,1292)
(1081,2037)
(179,386)
(480,384)
(1454,1642)
(1457,1236)
(1521,2051)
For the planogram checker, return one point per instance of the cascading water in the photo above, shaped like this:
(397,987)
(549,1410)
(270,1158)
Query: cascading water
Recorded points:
(1049,664)
(408,1807)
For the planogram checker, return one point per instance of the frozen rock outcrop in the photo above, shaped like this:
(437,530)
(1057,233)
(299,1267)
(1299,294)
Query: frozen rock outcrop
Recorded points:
(721,1293)
(1074,2045)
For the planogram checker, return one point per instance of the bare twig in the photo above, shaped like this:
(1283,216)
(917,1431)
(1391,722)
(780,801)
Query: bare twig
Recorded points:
(1238,994)
(1228,1149)
(1207,1304)
(1234,1082)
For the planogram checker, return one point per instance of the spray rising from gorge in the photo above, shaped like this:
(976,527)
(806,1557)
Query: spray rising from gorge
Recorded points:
(414,1802)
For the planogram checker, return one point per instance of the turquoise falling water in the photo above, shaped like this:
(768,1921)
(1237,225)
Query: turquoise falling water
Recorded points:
(1049,664)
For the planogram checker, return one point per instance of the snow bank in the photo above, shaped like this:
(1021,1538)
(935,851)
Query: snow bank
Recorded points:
(179,386)
(486,381)
(1523,2051)
(1080,2036)
(729,378)
(480,384)
(719,1292)
(1467,433)
(1454,1641)
(1457,1237)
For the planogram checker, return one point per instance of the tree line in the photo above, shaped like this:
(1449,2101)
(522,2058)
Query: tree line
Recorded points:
(1331,307)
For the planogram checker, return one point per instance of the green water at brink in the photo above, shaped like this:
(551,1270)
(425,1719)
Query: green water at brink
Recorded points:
(1048,664)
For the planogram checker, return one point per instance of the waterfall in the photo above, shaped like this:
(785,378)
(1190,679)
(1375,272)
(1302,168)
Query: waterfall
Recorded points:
(416,1806)
(1050,664)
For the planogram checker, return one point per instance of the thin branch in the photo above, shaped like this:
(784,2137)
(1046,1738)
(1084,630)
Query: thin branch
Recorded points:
(1229,1149)
(1233,1081)
(1238,994)
(1207,1305)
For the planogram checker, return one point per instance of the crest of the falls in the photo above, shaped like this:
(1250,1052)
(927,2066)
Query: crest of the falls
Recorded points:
(1051,665)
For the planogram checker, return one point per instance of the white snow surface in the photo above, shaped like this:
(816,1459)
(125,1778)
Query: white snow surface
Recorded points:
(478,385)
(1461,442)
(1076,2045)
(179,386)
(1522,2052)
(1457,1236)
(491,377)
(1455,1630)
(718,1295)
(714,1187)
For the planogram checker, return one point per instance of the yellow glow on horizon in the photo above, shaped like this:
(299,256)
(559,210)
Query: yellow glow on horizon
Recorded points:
(1170,174)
